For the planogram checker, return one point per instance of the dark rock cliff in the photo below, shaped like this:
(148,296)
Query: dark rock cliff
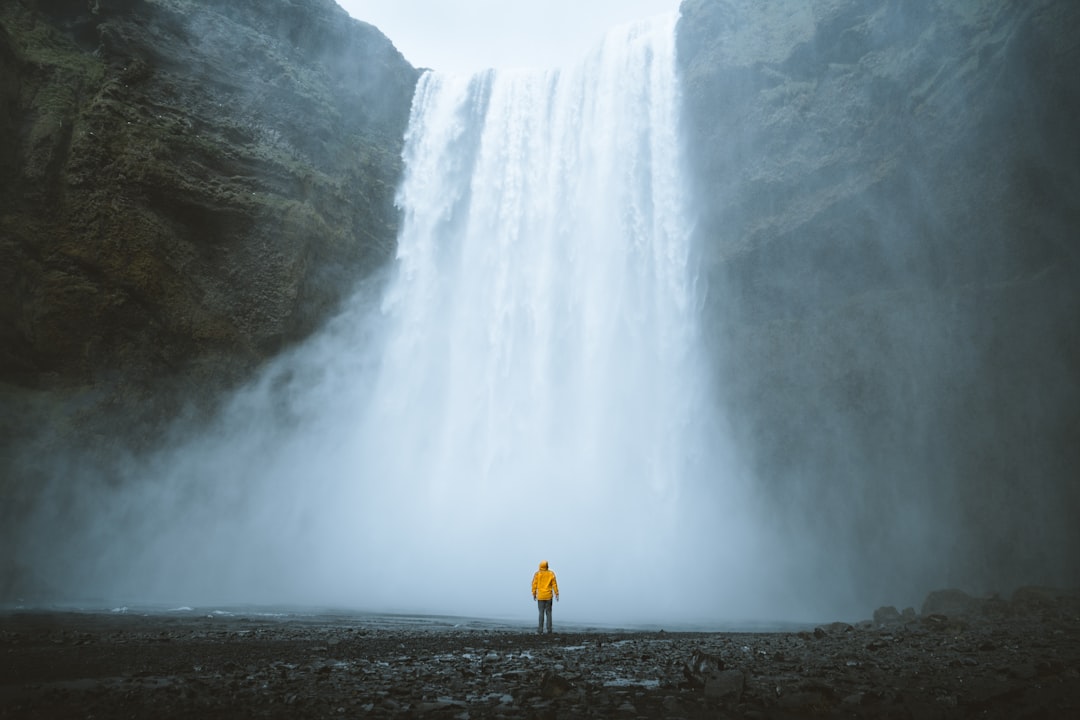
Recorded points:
(889,199)
(186,187)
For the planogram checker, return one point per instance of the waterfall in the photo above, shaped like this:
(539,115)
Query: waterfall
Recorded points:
(541,393)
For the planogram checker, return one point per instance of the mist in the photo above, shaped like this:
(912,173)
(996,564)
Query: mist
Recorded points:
(525,382)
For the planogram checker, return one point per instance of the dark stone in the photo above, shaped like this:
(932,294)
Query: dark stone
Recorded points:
(1024,671)
(935,621)
(950,602)
(725,685)
(887,615)
(553,686)
(700,666)
(1046,601)
(801,700)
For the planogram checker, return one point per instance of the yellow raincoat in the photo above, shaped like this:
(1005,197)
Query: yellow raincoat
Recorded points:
(543,584)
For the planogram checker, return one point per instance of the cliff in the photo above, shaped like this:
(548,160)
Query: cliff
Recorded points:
(889,207)
(186,187)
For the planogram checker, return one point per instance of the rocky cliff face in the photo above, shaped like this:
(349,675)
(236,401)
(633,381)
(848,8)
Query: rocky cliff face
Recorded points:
(185,188)
(889,198)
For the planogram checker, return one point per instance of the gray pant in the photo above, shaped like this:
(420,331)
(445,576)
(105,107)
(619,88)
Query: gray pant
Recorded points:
(545,610)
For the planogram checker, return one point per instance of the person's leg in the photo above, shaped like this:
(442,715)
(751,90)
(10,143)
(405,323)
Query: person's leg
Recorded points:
(540,605)
(547,610)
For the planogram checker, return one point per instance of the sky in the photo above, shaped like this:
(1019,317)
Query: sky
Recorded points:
(469,35)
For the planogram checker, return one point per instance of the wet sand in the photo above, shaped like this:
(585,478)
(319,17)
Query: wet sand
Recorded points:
(1004,664)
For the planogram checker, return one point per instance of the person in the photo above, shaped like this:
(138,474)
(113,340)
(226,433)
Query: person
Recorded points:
(544,587)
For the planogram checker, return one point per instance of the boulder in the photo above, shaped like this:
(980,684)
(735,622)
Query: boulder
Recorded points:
(1043,600)
(725,685)
(887,615)
(950,602)
(700,666)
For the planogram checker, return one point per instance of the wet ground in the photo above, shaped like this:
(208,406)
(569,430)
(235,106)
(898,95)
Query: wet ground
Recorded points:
(991,659)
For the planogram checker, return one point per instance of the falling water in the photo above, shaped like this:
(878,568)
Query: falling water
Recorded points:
(541,393)
(527,384)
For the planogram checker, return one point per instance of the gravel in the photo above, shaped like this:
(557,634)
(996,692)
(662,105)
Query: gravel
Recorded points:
(193,665)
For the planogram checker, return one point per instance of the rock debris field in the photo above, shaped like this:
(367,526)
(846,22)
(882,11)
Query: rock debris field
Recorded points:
(959,657)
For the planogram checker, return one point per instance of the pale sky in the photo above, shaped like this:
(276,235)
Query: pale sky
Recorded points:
(469,35)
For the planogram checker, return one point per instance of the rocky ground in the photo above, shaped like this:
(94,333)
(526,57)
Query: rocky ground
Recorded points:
(989,658)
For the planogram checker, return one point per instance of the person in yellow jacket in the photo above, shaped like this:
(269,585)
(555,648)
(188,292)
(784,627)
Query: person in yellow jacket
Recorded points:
(544,587)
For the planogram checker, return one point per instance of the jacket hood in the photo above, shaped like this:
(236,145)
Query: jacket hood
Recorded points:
(543,565)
